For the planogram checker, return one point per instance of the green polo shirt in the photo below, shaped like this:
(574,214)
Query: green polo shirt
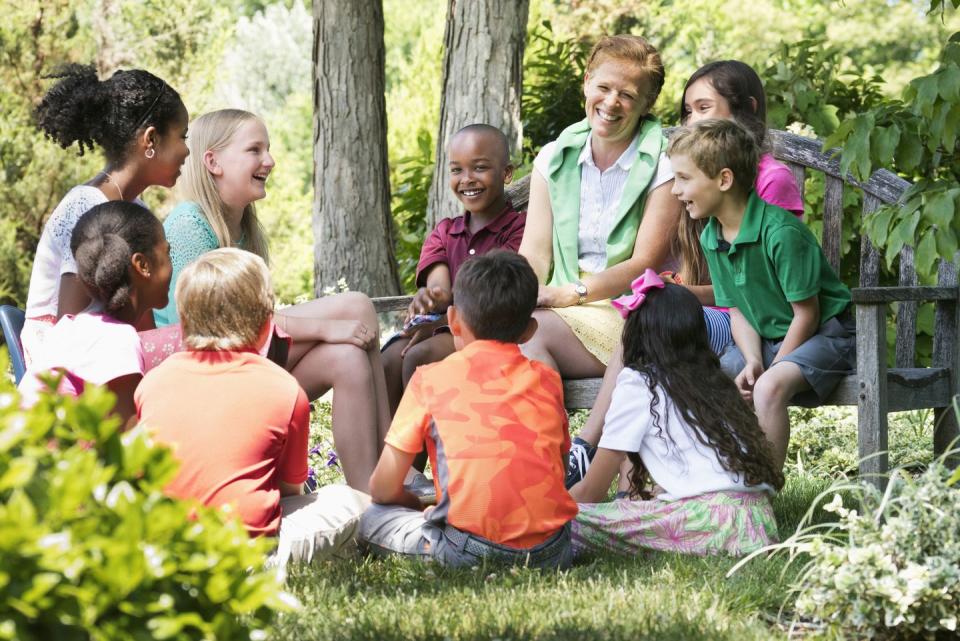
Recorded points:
(774,261)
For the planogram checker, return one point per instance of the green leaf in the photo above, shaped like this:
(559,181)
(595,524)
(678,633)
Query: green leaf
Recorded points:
(856,151)
(926,252)
(949,83)
(950,127)
(946,242)
(883,142)
(926,88)
(19,473)
(878,224)
(909,152)
(938,207)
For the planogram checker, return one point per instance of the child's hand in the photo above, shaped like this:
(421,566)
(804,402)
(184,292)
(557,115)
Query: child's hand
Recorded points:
(747,378)
(431,300)
(349,331)
(420,332)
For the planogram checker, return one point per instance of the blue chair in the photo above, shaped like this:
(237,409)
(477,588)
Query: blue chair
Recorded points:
(11,320)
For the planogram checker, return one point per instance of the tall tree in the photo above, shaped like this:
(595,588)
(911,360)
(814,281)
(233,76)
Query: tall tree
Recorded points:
(482,76)
(352,227)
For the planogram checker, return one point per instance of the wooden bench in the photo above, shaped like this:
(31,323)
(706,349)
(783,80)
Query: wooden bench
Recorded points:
(875,389)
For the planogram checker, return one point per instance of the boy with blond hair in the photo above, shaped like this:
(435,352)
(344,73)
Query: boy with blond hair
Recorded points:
(790,315)
(495,429)
(239,423)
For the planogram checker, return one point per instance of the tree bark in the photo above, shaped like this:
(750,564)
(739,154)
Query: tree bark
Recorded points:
(352,226)
(482,80)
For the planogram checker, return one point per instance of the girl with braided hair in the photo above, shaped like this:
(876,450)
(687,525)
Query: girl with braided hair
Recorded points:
(123,264)
(140,124)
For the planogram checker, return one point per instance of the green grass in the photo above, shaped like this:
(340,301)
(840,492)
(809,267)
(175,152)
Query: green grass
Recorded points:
(653,596)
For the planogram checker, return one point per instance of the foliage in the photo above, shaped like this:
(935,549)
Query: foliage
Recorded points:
(917,137)
(889,568)
(410,208)
(552,86)
(91,548)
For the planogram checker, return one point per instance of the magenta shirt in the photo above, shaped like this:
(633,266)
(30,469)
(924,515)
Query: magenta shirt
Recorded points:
(452,243)
(777,186)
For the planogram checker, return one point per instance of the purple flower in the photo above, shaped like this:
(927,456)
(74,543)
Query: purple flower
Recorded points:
(314,450)
(332,459)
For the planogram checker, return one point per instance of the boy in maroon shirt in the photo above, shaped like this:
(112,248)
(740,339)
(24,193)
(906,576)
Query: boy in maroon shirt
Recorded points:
(479,168)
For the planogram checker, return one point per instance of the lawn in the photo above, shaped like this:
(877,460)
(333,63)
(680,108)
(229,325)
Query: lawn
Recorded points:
(655,596)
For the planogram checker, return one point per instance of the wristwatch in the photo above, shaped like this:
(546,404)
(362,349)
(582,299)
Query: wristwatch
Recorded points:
(581,290)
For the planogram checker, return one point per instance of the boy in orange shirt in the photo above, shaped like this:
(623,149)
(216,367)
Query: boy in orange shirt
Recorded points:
(495,429)
(239,423)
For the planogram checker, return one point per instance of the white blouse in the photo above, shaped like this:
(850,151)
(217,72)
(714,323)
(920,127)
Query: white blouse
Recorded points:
(600,194)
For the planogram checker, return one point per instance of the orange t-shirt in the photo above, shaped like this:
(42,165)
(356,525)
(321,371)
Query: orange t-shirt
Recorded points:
(238,423)
(496,432)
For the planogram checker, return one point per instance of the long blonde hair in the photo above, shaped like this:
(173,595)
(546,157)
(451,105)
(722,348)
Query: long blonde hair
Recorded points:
(211,132)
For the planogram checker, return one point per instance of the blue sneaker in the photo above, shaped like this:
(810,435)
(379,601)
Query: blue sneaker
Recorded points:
(578,461)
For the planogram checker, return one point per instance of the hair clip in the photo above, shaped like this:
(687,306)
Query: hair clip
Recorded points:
(640,286)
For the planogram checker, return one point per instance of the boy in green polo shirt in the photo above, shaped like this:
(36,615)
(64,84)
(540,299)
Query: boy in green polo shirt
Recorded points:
(792,328)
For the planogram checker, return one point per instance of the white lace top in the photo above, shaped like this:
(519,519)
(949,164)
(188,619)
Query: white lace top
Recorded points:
(54,257)
(600,194)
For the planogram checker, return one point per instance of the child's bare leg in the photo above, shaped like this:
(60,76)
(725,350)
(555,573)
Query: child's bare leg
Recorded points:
(434,349)
(557,346)
(593,428)
(771,394)
(357,307)
(393,372)
(345,368)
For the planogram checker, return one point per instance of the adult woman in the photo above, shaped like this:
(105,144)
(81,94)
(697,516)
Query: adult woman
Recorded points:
(600,209)
(140,123)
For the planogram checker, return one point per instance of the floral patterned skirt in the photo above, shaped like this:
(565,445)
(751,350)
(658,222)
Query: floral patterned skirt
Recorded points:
(735,523)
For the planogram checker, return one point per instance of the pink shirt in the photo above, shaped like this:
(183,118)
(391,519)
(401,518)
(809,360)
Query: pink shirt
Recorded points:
(777,186)
(452,243)
(89,348)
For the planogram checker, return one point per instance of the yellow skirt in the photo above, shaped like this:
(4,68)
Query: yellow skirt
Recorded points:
(598,326)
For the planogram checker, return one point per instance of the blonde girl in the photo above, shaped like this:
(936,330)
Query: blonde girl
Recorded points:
(334,338)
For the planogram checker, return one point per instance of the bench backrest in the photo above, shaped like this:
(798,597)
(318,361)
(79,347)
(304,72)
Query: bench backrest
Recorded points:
(802,155)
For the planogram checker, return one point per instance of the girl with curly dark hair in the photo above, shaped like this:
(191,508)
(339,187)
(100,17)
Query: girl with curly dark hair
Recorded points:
(140,123)
(688,433)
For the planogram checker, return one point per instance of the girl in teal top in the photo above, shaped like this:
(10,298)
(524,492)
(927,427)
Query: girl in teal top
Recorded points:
(335,339)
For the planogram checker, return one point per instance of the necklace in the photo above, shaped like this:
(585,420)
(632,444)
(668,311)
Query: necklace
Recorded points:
(113,182)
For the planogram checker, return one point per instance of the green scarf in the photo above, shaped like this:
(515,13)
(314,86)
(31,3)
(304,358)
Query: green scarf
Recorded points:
(563,183)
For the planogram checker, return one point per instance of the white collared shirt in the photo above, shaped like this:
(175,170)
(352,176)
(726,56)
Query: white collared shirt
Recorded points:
(600,194)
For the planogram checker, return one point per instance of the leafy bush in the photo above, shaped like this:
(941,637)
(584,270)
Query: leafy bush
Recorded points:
(889,567)
(410,208)
(91,548)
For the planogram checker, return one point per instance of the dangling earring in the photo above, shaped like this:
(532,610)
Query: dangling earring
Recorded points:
(150,153)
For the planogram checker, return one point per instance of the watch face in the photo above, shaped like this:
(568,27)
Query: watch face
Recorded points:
(581,289)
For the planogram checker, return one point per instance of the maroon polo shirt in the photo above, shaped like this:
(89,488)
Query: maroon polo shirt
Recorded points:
(452,243)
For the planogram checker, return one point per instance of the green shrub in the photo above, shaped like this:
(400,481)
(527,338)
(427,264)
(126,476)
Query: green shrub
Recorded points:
(91,548)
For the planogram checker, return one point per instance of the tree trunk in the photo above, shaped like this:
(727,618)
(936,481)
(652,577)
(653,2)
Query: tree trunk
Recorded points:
(352,227)
(482,79)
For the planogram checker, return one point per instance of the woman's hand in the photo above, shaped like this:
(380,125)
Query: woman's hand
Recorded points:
(563,296)
(349,331)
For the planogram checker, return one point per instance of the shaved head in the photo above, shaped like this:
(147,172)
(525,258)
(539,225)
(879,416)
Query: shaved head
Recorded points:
(501,147)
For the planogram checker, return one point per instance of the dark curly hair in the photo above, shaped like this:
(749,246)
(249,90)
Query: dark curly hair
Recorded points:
(83,109)
(665,339)
(103,242)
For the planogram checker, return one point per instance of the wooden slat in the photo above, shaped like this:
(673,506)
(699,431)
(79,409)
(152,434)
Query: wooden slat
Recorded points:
(886,186)
(518,193)
(391,303)
(906,313)
(869,256)
(873,295)
(872,396)
(946,353)
(799,175)
(907,389)
(832,221)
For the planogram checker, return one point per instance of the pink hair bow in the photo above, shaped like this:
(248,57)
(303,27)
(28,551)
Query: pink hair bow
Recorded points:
(640,286)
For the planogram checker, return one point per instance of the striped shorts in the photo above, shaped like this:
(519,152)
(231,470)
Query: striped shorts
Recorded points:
(718,328)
